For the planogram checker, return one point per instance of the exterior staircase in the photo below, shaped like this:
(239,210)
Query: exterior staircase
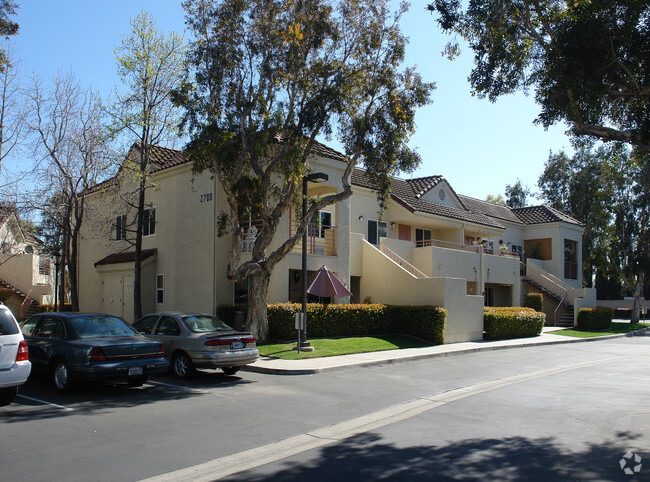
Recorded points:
(564,312)
(32,306)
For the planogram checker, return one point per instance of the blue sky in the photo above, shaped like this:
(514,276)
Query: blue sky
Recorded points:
(477,145)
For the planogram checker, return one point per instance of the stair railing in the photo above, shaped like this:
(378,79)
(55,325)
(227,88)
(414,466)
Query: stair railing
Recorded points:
(25,304)
(543,281)
(13,282)
(563,301)
(396,258)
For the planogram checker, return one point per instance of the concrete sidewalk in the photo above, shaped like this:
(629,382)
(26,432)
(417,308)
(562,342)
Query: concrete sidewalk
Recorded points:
(312,366)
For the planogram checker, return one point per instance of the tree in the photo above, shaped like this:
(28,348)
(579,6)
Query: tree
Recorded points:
(70,149)
(588,61)
(496,199)
(150,65)
(272,76)
(607,190)
(12,109)
(629,179)
(577,186)
(8,27)
(517,195)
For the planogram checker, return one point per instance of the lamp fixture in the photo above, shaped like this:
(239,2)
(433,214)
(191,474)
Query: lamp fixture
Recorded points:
(360,217)
(392,224)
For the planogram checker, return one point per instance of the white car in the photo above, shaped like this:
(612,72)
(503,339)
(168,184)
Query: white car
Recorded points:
(15,366)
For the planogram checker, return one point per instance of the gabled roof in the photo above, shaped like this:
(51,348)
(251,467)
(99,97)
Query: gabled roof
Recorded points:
(493,210)
(422,185)
(407,193)
(6,212)
(125,257)
(543,215)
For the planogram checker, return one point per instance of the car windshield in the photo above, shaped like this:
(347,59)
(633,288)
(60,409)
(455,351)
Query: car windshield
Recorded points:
(91,326)
(205,324)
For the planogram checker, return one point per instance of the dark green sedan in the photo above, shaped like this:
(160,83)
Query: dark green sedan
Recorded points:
(73,347)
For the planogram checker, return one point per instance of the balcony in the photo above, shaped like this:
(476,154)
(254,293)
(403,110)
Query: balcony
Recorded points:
(321,239)
(472,248)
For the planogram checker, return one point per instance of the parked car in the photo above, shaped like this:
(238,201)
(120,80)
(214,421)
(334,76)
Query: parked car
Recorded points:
(14,362)
(73,347)
(196,340)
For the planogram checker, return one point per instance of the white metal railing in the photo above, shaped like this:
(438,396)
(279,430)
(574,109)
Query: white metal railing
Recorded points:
(472,248)
(14,283)
(396,258)
(548,285)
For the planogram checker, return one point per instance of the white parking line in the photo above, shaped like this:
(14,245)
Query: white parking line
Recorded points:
(47,403)
(177,386)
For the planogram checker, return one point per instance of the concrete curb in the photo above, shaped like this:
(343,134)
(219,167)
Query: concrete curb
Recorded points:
(391,358)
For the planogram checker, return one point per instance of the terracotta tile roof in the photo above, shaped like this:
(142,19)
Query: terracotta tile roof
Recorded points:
(328,152)
(543,215)
(125,257)
(102,185)
(403,192)
(495,211)
(421,185)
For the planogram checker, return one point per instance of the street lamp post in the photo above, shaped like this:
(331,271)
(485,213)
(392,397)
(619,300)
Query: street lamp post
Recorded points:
(315,177)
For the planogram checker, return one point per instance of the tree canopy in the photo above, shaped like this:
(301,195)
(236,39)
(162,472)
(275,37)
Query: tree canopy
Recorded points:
(587,60)
(269,77)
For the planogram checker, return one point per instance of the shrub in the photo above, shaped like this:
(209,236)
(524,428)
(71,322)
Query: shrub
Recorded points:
(534,301)
(511,322)
(595,318)
(5,294)
(227,313)
(50,308)
(426,322)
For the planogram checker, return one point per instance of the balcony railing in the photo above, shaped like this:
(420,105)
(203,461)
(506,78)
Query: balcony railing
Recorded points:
(472,248)
(321,239)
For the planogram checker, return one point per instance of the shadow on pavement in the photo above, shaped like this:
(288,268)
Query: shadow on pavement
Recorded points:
(367,457)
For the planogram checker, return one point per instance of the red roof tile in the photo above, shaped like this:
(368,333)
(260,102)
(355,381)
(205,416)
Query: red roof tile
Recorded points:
(125,257)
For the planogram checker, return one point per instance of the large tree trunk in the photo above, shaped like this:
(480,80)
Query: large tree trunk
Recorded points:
(636,305)
(256,319)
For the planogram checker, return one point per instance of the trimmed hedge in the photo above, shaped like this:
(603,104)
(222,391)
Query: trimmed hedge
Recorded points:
(534,301)
(594,318)
(50,308)
(426,322)
(511,322)
(5,294)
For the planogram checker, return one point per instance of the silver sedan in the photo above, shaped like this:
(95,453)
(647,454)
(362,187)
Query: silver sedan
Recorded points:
(195,340)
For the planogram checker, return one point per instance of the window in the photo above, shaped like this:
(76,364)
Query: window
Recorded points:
(422,237)
(168,327)
(120,227)
(321,221)
(160,289)
(149,221)
(44,266)
(570,259)
(146,324)
(376,230)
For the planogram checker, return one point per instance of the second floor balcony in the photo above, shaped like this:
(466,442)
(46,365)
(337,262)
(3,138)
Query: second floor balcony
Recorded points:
(321,238)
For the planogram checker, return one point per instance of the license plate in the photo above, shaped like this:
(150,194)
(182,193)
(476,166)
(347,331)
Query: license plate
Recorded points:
(133,371)
(237,345)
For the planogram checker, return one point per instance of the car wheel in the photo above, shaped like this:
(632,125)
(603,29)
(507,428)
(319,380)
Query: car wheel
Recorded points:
(182,365)
(61,376)
(8,395)
(137,382)
(230,370)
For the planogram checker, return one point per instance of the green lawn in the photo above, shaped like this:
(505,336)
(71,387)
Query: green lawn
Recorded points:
(615,329)
(341,346)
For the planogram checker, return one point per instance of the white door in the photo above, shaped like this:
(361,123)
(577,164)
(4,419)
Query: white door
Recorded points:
(112,296)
